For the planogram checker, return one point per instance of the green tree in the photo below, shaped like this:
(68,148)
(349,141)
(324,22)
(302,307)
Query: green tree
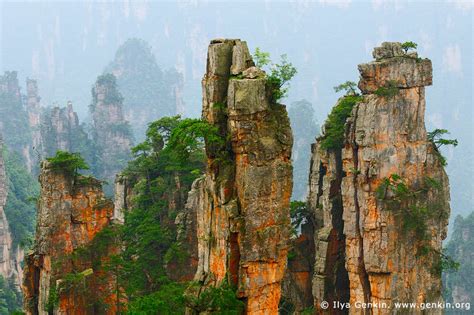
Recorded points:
(406,46)
(436,137)
(68,162)
(280,73)
(349,87)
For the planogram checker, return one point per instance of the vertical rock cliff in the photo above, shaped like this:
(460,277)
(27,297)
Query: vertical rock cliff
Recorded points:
(14,120)
(380,197)
(60,130)
(243,200)
(458,285)
(64,273)
(10,254)
(33,108)
(112,135)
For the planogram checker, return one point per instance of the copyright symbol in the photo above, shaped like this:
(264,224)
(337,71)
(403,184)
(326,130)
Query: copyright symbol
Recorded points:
(324,305)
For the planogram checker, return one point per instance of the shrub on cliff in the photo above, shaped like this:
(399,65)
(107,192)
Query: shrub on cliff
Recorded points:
(436,137)
(280,74)
(333,137)
(406,46)
(70,163)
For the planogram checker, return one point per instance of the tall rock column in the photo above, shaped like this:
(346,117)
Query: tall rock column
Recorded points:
(10,255)
(243,200)
(34,113)
(112,134)
(63,273)
(388,185)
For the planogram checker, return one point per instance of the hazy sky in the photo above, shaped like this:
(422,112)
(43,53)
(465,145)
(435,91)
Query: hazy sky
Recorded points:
(66,44)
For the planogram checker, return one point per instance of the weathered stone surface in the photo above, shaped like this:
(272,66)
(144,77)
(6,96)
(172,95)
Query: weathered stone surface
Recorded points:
(330,278)
(112,133)
(394,67)
(70,215)
(60,130)
(243,200)
(388,50)
(384,262)
(297,283)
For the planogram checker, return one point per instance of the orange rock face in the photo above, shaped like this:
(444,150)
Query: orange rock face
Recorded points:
(393,193)
(243,200)
(63,273)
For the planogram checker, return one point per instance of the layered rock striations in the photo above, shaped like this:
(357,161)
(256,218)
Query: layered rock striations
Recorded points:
(381,199)
(63,273)
(243,200)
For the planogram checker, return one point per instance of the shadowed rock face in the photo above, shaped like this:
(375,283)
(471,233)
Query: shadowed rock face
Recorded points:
(365,250)
(71,213)
(243,200)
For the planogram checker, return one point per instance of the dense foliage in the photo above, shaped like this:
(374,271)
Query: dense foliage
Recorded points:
(161,173)
(305,128)
(333,137)
(20,207)
(148,91)
(406,46)
(10,298)
(70,163)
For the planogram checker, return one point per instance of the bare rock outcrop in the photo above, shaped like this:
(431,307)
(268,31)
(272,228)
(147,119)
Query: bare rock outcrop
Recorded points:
(382,198)
(63,273)
(112,134)
(243,200)
(60,130)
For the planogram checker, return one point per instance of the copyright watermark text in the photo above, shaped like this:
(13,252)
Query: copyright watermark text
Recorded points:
(396,305)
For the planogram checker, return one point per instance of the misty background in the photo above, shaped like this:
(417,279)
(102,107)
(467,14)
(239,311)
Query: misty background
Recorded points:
(65,45)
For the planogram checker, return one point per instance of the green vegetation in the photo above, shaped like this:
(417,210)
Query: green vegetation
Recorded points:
(349,87)
(76,136)
(280,74)
(70,163)
(10,298)
(299,214)
(20,208)
(416,210)
(333,137)
(435,137)
(389,90)
(445,263)
(216,300)
(164,166)
(460,247)
(406,46)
